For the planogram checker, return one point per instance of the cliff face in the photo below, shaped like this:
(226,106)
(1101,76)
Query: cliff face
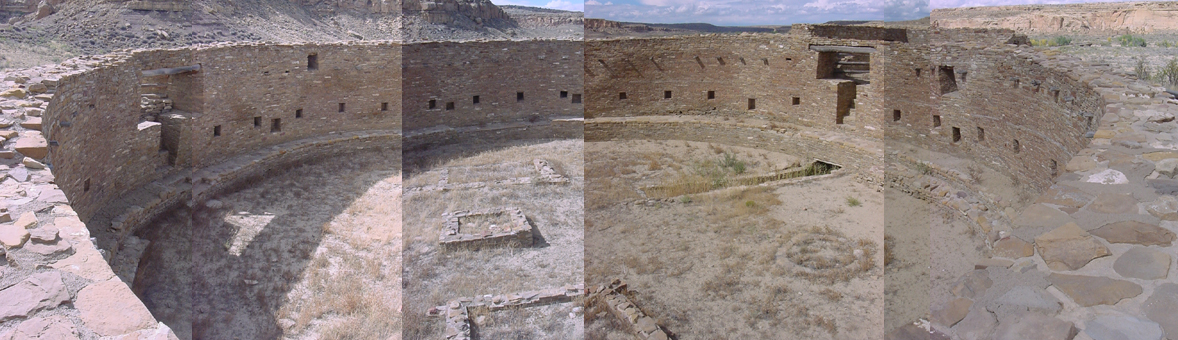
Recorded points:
(1137,17)
(455,11)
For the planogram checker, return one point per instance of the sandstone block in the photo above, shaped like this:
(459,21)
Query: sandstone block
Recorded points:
(32,123)
(1069,247)
(27,220)
(1013,247)
(1089,291)
(110,308)
(1110,203)
(1135,232)
(1143,263)
(1162,307)
(39,291)
(1030,325)
(1121,326)
(52,327)
(14,93)
(12,236)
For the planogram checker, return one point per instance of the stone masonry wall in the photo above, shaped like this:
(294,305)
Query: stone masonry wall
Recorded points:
(451,75)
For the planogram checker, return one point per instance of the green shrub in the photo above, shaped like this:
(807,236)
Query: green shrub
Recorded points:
(1142,69)
(1129,40)
(1169,74)
(731,162)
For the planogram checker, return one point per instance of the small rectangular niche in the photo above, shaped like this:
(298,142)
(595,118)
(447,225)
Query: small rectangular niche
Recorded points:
(765,61)
(275,125)
(475,100)
(216,131)
(936,121)
(721,60)
(752,104)
(621,95)
(433,104)
(312,62)
(947,80)
(564,94)
(449,106)
(1054,168)
(576,98)
(519,96)
(956,134)
(981,134)
(258,121)
(666,94)
(895,115)
(384,106)
(797,101)
(86,185)
(711,94)
(341,107)
(299,113)
(917,72)
(1016,146)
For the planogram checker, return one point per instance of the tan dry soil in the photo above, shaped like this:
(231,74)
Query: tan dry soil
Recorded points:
(718,265)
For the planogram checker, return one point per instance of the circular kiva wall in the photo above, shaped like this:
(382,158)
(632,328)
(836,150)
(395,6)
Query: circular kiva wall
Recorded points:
(476,93)
(844,95)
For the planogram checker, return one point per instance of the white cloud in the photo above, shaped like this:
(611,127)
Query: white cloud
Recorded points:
(565,5)
(977,3)
(595,3)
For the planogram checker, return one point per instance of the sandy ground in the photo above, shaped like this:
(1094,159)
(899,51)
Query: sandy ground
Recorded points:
(556,211)
(269,260)
(721,264)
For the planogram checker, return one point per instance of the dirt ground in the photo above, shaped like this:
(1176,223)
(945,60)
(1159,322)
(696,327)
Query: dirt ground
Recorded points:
(776,261)
(434,276)
(270,260)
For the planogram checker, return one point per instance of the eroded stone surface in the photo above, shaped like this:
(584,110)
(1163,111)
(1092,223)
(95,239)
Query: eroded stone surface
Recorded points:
(52,327)
(1162,307)
(1013,247)
(1121,326)
(1089,291)
(40,291)
(1031,325)
(1069,247)
(1135,232)
(1143,263)
(973,284)
(1110,203)
(1165,208)
(99,308)
(953,312)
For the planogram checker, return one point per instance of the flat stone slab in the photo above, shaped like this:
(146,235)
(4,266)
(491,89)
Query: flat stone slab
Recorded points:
(1069,247)
(1165,208)
(978,325)
(952,312)
(1013,247)
(972,285)
(12,236)
(1031,325)
(1108,176)
(53,327)
(1143,263)
(1135,232)
(1068,198)
(109,308)
(1120,327)
(1024,298)
(1038,215)
(40,291)
(1157,156)
(1162,307)
(32,144)
(1089,291)
(1110,203)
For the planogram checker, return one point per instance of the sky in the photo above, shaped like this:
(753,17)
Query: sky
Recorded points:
(763,12)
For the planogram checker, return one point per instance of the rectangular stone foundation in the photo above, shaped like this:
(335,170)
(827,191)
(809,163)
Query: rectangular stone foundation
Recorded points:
(515,233)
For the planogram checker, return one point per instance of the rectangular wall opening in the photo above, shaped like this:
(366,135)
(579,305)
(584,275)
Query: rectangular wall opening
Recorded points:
(564,94)
(449,105)
(797,101)
(895,115)
(257,121)
(275,125)
(384,106)
(519,96)
(956,134)
(433,104)
(86,185)
(936,121)
(299,113)
(666,94)
(1016,146)
(752,104)
(917,73)
(721,60)
(475,99)
(341,107)
(948,83)
(981,134)
(576,98)
(312,62)
(711,94)
(844,62)
(216,131)
(621,95)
